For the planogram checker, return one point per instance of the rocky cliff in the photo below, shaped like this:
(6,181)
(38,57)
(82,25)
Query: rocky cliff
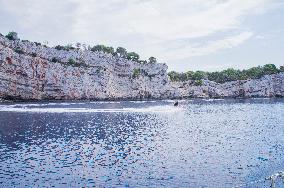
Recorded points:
(30,71)
(267,86)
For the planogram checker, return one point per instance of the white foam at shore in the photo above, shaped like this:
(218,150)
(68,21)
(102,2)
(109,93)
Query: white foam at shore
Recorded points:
(140,102)
(209,100)
(25,109)
(61,104)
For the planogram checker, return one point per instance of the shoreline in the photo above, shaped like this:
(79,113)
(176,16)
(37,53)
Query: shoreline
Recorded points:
(133,99)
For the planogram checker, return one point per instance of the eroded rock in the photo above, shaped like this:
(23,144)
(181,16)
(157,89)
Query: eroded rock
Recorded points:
(29,71)
(32,71)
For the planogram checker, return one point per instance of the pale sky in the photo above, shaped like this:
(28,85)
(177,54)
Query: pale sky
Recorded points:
(204,35)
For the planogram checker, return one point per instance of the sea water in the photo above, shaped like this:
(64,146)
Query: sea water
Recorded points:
(200,143)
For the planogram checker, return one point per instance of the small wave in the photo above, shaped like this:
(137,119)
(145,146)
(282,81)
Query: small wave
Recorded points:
(182,100)
(169,100)
(209,100)
(140,102)
(261,98)
(44,104)
(62,104)
(105,102)
(156,109)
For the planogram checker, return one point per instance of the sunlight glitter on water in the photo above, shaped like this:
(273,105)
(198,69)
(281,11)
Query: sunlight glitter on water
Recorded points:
(201,143)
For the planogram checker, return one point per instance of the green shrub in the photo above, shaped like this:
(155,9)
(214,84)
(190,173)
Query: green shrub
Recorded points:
(152,60)
(198,75)
(54,60)
(34,54)
(75,63)
(136,73)
(71,61)
(198,82)
(142,61)
(98,71)
(270,69)
(19,51)
(103,48)
(37,43)
(12,35)
(174,76)
(253,73)
(67,47)
(133,56)
(121,52)
(59,47)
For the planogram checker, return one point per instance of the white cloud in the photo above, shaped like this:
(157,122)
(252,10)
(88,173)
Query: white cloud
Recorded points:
(162,20)
(149,27)
(146,26)
(208,47)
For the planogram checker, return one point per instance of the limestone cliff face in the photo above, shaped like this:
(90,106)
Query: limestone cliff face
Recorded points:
(29,71)
(267,86)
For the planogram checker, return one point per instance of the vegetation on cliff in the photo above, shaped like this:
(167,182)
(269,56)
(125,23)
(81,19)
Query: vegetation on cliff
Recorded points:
(12,35)
(119,52)
(227,75)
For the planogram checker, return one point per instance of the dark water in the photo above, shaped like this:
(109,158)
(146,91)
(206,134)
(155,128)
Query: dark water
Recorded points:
(213,143)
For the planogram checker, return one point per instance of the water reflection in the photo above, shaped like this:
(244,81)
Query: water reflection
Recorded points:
(201,143)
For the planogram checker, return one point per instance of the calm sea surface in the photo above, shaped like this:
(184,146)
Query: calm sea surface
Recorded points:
(200,143)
